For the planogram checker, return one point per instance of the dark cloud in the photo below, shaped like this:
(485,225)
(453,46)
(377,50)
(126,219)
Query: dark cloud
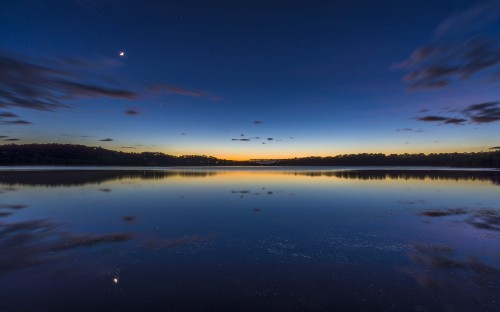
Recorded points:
(258,122)
(446,120)
(171,89)
(455,121)
(3,136)
(495,148)
(18,122)
(445,60)
(15,206)
(12,139)
(129,219)
(242,140)
(132,112)
(8,115)
(477,113)
(14,122)
(27,84)
(483,112)
(131,147)
(270,139)
(438,66)
(432,118)
(106,140)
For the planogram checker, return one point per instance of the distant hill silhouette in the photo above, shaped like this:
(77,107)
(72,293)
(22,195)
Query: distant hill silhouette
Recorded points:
(70,154)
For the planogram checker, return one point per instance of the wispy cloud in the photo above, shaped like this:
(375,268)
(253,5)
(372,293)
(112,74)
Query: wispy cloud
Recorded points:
(165,88)
(445,60)
(438,66)
(106,140)
(476,113)
(473,19)
(409,130)
(446,120)
(8,115)
(26,83)
(14,122)
(484,112)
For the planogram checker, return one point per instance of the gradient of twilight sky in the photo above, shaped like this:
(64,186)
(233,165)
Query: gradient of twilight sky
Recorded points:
(252,79)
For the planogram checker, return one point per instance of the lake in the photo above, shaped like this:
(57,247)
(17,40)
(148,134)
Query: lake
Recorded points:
(249,239)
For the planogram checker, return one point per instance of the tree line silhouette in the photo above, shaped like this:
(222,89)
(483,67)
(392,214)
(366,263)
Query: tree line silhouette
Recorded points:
(478,160)
(70,154)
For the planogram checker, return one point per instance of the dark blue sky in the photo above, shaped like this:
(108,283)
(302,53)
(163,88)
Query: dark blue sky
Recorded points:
(252,79)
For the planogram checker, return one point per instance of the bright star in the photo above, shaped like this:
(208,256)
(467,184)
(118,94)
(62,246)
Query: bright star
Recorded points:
(122,53)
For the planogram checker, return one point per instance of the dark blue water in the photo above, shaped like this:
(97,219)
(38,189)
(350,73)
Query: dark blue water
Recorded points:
(287,239)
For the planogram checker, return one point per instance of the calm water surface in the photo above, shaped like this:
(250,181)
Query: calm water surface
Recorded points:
(287,239)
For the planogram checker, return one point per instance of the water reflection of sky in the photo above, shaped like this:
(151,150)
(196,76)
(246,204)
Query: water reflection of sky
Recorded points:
(298,240)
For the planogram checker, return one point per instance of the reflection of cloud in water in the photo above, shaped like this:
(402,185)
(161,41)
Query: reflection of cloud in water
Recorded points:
(4,214)
(487,219)
(159,244)
(30,243)
(443,213)
(247,192)
(26,244)
(72,241)
(462,283)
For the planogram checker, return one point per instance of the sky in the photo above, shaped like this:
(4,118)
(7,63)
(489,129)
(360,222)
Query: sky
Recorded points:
(252,79)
